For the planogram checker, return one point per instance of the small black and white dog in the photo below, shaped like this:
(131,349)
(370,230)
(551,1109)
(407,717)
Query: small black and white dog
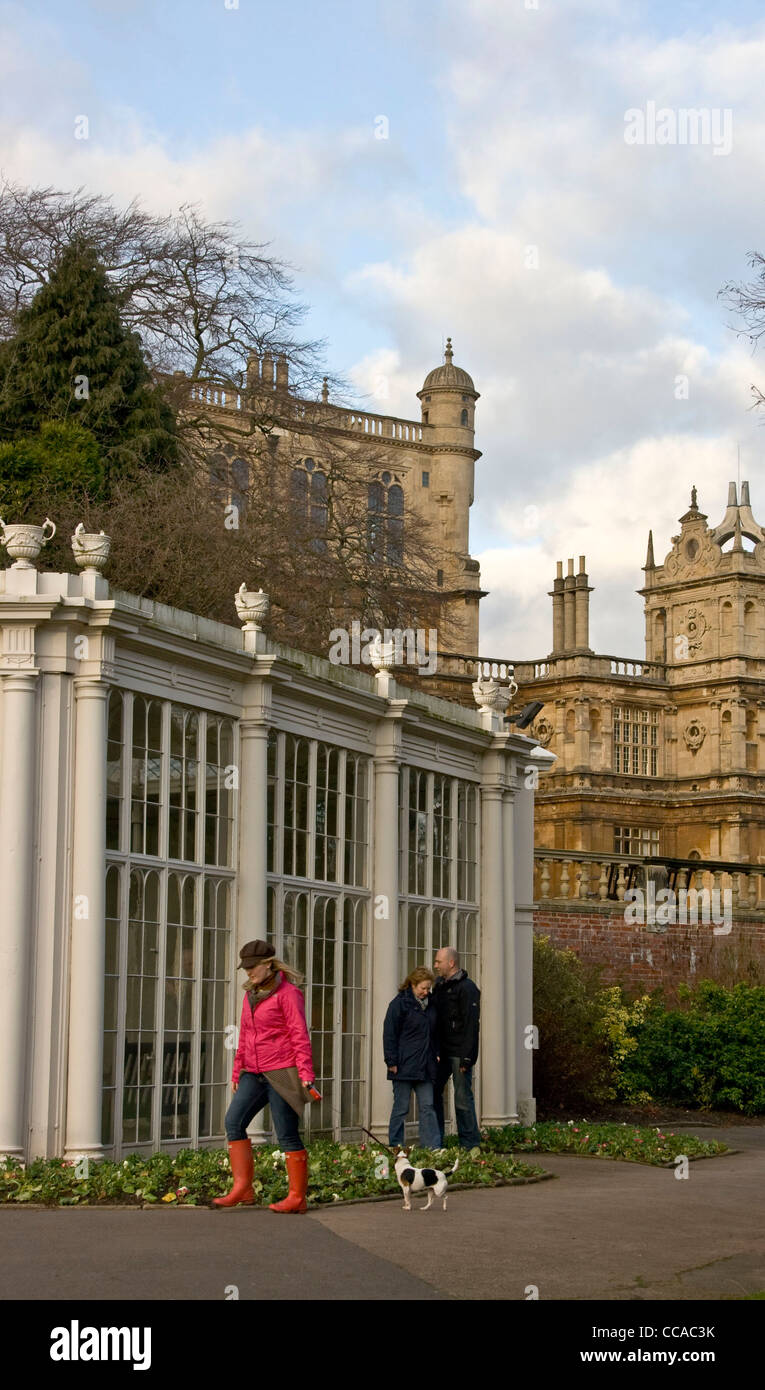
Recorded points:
(430,1180)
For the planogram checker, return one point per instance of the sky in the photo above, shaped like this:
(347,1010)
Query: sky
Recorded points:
(577,271)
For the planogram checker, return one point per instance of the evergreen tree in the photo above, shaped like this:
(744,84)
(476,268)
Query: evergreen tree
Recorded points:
(72,360)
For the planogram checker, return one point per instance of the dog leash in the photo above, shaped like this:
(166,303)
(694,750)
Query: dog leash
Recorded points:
(377,1141)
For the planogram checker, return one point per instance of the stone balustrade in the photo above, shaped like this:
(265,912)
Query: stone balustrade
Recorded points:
(376,426)
(579,876)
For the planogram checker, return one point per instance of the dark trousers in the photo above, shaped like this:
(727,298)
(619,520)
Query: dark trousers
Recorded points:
(252,1095)
(464,1105)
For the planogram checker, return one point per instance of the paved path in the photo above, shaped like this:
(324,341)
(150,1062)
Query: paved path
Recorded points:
(605,1230)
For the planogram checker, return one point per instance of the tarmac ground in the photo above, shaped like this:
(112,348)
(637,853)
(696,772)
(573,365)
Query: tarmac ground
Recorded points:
(604,1230)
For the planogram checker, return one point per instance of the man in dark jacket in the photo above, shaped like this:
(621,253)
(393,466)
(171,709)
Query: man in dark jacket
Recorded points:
(458,1006)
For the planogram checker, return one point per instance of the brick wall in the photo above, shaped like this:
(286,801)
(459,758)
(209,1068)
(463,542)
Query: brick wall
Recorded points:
(641,958)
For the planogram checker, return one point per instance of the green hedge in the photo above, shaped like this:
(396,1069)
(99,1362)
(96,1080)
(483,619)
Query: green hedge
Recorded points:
(710,1052)
(595,1045)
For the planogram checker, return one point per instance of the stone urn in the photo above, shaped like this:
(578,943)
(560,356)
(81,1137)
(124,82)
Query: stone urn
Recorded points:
(381,654)
(91,549)
(252,607)
(490,695)
(24,542)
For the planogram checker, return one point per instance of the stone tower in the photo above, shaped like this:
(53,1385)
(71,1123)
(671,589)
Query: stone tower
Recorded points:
(448,398)
(662,755)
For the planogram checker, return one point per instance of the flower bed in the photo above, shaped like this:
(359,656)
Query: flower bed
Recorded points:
(336,1173)
(631,1143)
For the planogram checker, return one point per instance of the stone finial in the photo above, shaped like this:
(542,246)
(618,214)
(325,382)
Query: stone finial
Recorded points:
(24,542)
(91,549)
(490,695)
(448,354)
(382,655)
(325,390)
(252,606)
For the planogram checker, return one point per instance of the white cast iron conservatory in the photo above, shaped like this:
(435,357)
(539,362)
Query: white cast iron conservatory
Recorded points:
(171,787)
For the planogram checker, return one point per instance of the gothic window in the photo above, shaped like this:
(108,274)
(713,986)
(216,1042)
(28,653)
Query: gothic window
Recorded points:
(308,490)
(229,477)
(385,520)
(240,483)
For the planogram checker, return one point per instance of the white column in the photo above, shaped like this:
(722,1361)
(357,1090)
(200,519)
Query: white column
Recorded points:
(512,1023)
(384,918)
(524,944)
(17,851)
(253,830)
(251,897)
(86,957)
(494,1109)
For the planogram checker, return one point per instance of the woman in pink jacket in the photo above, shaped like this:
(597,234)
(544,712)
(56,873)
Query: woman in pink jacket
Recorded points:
(273,1066)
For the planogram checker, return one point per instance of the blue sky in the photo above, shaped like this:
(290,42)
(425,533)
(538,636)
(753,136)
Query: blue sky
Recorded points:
(506,130)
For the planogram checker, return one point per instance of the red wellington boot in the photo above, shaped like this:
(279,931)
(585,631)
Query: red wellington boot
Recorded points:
(241,1194)
(297,1172)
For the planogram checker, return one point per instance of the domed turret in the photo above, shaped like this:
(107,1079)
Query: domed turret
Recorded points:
(449,377)
(448,395)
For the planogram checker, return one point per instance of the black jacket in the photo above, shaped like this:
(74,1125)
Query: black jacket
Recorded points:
(409,1039)
(458,1011)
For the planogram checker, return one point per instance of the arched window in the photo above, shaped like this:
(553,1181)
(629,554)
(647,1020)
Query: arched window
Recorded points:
(240,483)
(229,477)
(385,523)
(464,418)
(308,491)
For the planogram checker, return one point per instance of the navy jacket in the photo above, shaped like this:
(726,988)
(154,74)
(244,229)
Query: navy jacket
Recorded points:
(457,1005)
(409,1039)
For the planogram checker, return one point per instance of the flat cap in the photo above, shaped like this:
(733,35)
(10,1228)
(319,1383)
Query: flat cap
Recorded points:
(255,953)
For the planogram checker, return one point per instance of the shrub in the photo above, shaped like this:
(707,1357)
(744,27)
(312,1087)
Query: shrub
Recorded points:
(572,1064)
(709,1053)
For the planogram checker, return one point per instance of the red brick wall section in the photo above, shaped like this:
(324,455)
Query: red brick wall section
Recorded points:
(641,958)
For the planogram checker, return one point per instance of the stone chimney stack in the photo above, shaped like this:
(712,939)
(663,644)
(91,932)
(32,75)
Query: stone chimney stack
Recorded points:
(556,594)
(582,598)
(569,609)
(268,371)
(282,373)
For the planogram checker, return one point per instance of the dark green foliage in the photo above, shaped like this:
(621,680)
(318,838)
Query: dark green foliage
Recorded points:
(60,457)
(711,1053)
(571,1064)
(72,360)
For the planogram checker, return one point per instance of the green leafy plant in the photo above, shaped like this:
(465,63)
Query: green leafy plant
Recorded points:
(631,1143)
(709,1052)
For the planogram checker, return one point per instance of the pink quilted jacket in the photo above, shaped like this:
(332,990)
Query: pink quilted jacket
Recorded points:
(274,1034)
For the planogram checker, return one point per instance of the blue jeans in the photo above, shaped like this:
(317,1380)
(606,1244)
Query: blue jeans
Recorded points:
(464,1105)
(252,1094)
(428,1124)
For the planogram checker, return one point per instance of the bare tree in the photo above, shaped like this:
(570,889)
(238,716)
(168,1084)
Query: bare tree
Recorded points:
(202,298)
(747,300)
(219,326)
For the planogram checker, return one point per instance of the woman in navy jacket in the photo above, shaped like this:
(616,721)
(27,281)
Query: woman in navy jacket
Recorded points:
(410,1056)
